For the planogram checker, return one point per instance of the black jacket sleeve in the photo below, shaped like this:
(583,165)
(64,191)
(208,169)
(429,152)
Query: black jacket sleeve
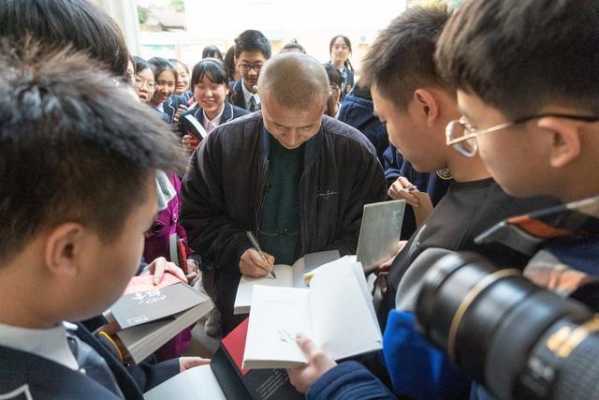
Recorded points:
(211,232)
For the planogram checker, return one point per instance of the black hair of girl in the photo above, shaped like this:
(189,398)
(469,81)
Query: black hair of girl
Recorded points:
(347,43)
(158,65)
(230,62)
(139,64)
(213,68)
(176,62)
(212,52)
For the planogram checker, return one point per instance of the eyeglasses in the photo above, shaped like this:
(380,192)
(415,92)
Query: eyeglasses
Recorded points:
(248,67)
(462,136)
(140,83)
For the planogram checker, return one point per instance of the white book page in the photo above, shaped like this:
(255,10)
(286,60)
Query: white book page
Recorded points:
(194,384)
(277,316)
(343,316)
(243,299)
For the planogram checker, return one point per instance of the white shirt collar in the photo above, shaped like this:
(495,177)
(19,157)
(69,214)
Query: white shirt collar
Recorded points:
(211,124)
(247,95)
(48,343)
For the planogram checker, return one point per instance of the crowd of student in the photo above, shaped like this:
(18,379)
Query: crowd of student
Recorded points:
(490,109)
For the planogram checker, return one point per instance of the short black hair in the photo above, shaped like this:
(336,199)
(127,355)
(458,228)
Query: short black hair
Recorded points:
(159,65)
(519,56)
(292,46)
(61,23)
(212,52)
(213,68)
(252,40)
(401,58)
(75,146)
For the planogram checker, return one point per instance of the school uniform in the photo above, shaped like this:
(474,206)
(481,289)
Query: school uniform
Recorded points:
(229,113)
(68,362)
(241,97)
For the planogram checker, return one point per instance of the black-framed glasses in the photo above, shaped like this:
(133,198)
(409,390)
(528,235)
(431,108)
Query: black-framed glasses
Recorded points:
(246,67)
(461,136)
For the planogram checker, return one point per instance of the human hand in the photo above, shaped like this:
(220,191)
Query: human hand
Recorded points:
(160,266)
(318,364)
(186,363)
(385,265)
(193,269)
(253,265)
(190,142)
(402,189)
(180,110)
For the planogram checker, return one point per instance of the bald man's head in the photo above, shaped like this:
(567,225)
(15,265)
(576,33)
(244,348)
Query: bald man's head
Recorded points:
(294,80)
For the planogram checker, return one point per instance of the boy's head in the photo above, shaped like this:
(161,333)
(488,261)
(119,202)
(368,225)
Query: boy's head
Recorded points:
(59,23)
(408,94)
(512,60)
(78,156)
(252,50)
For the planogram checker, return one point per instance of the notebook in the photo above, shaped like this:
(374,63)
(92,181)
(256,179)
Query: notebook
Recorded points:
(380,232)
(337,302)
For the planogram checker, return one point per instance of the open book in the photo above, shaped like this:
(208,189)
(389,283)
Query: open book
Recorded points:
(336,303)
(195,126)
(286,276)
(225,379)
(380,232)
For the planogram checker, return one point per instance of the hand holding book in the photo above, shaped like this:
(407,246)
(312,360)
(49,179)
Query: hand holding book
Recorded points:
(318,364)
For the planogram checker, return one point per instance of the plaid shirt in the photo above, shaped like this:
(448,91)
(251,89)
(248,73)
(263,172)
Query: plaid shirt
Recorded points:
(563,240)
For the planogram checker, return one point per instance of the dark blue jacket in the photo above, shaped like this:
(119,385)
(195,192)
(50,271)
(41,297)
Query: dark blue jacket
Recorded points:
(236,96)
(45,379)
(171,104)
(358,111)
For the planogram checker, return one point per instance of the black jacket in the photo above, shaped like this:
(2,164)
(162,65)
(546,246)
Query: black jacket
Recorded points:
(224,187)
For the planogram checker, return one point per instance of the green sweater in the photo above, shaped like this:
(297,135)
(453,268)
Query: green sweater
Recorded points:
(279,232)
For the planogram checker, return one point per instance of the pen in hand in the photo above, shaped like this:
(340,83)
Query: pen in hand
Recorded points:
(256,245)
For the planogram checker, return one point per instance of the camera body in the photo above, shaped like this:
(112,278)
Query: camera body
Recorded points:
(521,341)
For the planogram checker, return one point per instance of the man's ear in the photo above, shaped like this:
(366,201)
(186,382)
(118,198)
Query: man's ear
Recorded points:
(429,105)
(64,246)
(565,143)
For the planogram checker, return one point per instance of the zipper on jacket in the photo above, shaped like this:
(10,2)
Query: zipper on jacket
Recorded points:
(260,193)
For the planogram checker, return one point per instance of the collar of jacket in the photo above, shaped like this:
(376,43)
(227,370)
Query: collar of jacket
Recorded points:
(227,116)
(526,233)
(312,148)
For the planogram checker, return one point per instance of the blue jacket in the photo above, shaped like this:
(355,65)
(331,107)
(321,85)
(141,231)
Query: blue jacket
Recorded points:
(171,104)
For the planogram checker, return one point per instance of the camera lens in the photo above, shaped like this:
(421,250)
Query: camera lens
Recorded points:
(493,323)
